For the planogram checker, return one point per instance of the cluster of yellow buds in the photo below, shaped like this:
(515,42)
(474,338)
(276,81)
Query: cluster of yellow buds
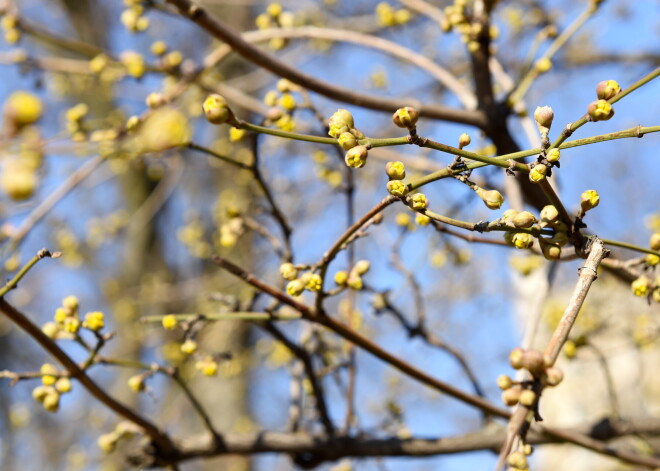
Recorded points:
(53,384)
(388,16)
(108,441)
(276,17)
(601,109)
(10,27)
(459,19)
(74,121)
(208,366)
(518,459)
(283,103)
(216,110)
(342,127)
(307,281)
(353,278)
(67,323)
(133,18)
(514,392)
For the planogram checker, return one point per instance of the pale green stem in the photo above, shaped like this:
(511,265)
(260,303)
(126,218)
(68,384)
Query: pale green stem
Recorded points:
(625,245)
(11,284)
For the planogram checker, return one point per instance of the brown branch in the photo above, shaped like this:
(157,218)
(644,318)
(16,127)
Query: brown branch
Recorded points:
(363,342)
(587,274)
(310,451)
(257,56)
(165,448)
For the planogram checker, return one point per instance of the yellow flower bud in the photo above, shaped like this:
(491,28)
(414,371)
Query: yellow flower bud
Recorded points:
(361,267)
(354,282)
(418,201)
(288,271)
(40,392)
(640,287)
(600,110)
(516,358)
(522,240)
(553,155)
(189,346)
(464,140)
(136,383)
(341,277)
(169,322)
(347,140)
(551,251)
(608,89)
(22,108)
(524,220)
(208,366)
(493,199)
(158,48)
(527,398)
(538,173)
(517,459)
(314,283)
(51,329)
(18,181)
(52,401)
(356,157)
(549,216)
(154,100)
(63,385)
(510,396)
(134,63)
(216,109)
(341,121)
(543,65)
(397,188)
(554,376)
(94,321)
(107,442)
(295,287)
(589,200)
(652,260)
(72,325)
(654,241)
(422,219)
(504,382)
(405,117)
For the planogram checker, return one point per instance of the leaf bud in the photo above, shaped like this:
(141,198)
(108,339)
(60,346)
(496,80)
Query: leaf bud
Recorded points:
(395,170)
(493,199)
(600,110)
(524,220)
(341,121)
(356,157)
(405,117)
(537,173)
(347,140)
(589,200)
(464,140)
(397,188)
(522,240)
(543,115)
(608,89)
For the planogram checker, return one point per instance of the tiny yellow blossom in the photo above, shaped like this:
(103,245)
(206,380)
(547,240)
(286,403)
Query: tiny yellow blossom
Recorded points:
(136,383)
(589,200)
(207,366)
(397,188)
(49,374)
(341,277)
(169,321)
(419,201)
(94,321)
(189,346)
(641,286)
(314,282)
